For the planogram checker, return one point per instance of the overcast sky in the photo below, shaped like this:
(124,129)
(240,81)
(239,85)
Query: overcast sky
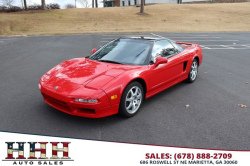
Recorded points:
(62,3)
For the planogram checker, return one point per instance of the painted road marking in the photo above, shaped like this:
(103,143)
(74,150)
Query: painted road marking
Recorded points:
(157,35)
(129,35)
(221,47)
(235,46)
(204,47)
(209,40)
(217,47)
(226,46)
(186,37)
(174,37)
(193,37)
(189,38)
(196,40)
(149,35)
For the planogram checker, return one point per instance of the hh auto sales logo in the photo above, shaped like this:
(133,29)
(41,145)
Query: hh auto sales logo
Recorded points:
(35,158)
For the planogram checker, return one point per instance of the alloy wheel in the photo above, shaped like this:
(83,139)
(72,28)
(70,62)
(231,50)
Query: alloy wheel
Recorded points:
(133,99)
(194,70)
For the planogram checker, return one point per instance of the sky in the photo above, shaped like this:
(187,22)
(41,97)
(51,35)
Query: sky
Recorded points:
(62,3)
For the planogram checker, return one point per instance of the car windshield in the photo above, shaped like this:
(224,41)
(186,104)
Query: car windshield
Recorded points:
(123,51)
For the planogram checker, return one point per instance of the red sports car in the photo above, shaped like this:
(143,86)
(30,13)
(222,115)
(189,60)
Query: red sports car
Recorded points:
(119,76)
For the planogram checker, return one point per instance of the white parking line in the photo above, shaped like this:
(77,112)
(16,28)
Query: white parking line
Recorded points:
(205,47)
(209,40)
(193,37)
(108,38)
(246,45)
(177,37)
(187,38)
(226,46)
(229,46)
(129,35)
(149,35)
(157,35)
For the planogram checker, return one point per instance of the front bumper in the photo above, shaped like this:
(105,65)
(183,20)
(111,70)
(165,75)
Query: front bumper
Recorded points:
(90,110)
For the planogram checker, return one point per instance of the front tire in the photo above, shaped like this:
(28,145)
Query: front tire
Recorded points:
(132,99)
(192,75)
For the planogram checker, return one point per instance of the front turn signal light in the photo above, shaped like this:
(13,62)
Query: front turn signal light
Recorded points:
(114,97)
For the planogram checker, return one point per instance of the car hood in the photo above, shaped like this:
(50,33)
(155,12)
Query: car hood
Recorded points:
(81,71)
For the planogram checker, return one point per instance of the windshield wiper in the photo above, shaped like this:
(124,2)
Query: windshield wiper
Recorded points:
(109,61)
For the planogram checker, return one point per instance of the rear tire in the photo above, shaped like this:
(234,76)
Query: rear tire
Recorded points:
(192,75)
(132,99)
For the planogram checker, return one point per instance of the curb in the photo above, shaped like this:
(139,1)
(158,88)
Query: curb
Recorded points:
(13,36)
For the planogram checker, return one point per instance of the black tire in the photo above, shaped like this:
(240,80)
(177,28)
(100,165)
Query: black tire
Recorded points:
(191,78)
(126,95)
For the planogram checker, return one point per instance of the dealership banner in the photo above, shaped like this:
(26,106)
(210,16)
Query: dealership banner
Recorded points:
(27,149)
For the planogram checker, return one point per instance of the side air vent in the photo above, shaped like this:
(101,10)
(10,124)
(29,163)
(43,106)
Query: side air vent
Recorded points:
(185,66)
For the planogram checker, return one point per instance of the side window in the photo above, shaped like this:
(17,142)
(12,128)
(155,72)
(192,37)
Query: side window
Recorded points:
(162,48)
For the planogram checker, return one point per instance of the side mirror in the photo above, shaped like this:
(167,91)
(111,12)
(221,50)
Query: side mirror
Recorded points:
(160,60)
(94,50)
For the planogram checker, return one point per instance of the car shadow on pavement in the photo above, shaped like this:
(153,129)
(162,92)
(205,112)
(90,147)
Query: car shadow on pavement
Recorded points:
(67,125)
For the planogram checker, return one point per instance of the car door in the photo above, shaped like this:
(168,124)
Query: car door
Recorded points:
(165,75)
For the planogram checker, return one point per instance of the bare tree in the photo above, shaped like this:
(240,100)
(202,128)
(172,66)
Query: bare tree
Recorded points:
(43,4)
(93,3)
(96,3)
(85,3)
(22,3)
(68,6)
(8,3)
(25,5)
(142,6)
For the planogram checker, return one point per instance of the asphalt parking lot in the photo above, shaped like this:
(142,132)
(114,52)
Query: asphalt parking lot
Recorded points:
(213,119)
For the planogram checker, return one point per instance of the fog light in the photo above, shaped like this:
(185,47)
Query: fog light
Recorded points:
(86,101)
(113,97)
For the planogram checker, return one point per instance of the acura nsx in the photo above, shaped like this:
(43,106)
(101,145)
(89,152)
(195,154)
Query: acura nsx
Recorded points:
(119,76)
